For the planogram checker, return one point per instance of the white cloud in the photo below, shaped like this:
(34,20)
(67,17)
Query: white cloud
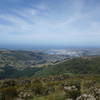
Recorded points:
(28,25)
(41,6)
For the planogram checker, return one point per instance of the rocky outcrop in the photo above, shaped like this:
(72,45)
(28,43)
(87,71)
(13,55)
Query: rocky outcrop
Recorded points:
(86,97)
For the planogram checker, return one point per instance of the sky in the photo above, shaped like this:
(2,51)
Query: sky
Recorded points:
(49,23)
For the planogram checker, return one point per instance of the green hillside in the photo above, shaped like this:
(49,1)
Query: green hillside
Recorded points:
(12,72)
(73,66)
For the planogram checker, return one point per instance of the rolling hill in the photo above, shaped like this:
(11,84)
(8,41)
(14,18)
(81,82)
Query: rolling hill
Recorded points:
(82,65)
(21,59)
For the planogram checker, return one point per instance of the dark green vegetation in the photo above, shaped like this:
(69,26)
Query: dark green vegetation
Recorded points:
(11,72)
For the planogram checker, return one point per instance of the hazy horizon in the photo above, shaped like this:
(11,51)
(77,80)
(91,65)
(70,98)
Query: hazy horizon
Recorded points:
(41,47)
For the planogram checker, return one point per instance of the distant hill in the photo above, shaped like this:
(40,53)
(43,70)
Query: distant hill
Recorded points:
(87,65)
(83,65)
(18,63)
(23,59)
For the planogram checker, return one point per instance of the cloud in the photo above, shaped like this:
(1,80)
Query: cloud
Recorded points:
(24,20)
(18,24)
(41,6)
(41,24)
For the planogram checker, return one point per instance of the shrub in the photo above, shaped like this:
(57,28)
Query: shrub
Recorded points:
(9,93)
(37,87)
